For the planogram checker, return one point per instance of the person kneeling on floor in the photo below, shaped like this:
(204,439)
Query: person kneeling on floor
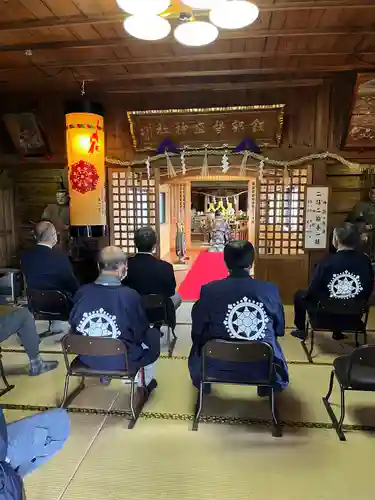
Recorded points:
(105,309)
(344,275)
(20,321)
(27,444)
(238,308)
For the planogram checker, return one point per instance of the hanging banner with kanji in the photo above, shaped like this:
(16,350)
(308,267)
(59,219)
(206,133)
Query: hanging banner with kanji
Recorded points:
(211,127)
(316,218)
(86,164)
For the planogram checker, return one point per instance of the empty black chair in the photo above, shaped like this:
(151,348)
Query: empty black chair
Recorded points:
(159,312)
(80,345)
(239,352)
(355,372)
(49,305)
(7,386)
(346,316)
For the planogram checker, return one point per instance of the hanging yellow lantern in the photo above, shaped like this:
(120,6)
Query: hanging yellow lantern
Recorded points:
(86,169)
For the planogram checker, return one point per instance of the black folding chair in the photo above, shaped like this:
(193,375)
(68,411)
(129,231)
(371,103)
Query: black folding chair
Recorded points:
(49,305)
(355,372)
(80,345)
(158,313)
(346,316)
(239,352)
(8,387)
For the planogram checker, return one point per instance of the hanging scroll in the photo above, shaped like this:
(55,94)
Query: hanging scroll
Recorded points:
(316,217)
(211,127)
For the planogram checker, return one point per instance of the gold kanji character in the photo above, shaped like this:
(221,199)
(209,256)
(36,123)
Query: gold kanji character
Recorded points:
(181,128)
(219,126)
(161,129)
(199,128)
(238,125)
(257,125)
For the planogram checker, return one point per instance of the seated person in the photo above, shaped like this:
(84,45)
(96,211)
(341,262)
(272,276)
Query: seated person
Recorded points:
(149,275)
(105,308)
(27,444)
(47,268)
(21,322)
(239,308)
(220,233)
(346,274)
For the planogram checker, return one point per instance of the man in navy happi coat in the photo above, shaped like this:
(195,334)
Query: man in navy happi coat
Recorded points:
(105,308)
(344,275)
(238,308)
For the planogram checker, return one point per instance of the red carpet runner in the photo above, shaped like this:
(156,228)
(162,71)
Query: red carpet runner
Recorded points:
(209,266)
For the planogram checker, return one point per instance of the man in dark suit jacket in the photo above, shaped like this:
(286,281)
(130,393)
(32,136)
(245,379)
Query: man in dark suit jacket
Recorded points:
(47,268)
(149,275)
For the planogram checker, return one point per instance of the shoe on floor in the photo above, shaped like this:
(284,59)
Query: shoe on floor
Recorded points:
(299,334)
(151,386)
(42,367)
(338,336)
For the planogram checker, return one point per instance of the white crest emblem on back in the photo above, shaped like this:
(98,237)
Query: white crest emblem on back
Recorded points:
(246,320)
(344,285)
(99,324)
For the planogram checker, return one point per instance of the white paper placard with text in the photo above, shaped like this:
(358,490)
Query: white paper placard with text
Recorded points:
(316,219)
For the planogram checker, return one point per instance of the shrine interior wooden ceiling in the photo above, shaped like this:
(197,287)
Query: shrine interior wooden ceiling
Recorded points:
(53,45)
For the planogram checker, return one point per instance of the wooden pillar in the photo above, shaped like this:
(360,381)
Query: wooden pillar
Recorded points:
(323,137)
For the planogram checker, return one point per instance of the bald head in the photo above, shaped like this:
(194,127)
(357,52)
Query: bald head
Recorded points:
(45,232)
(112,259)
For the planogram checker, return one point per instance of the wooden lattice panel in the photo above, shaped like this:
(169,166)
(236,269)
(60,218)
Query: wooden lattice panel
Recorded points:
(281,213)
(132,205)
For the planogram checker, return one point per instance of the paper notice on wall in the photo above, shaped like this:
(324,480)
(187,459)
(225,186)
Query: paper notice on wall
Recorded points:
(316,220)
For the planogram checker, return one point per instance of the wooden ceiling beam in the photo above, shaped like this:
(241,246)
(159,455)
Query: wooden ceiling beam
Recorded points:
(39,79)
(221,87)
(264,6)
(224,35)
(189,58)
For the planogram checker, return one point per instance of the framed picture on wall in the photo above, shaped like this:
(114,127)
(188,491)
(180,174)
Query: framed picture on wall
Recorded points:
(316,217)
(26,134)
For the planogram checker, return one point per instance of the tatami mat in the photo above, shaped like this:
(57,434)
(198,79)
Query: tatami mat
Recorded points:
(175,397)
(50,481)
(162,461)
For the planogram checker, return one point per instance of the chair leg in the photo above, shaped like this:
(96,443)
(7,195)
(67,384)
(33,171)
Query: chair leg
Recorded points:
(277,430)
(8,386)
(356,339)
(68,399)
(47,333)
(198,407)
(172,339)
(337,424)
(136,407)
(365,337)
(309,351)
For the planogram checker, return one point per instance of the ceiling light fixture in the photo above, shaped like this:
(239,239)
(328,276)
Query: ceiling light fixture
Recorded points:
(196,33)
(234,14)
(143,6)
(147,27)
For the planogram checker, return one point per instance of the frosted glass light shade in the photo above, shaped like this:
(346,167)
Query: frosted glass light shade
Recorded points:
(234,14)
(196,33)
(147,27)
(200,4)
(143,6)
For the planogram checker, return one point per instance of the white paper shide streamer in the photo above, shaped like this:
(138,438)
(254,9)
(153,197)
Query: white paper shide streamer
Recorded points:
(148,168)
(183,163)
(225,163)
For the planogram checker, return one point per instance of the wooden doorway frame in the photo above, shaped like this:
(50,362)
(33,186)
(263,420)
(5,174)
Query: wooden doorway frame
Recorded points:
(176,186)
